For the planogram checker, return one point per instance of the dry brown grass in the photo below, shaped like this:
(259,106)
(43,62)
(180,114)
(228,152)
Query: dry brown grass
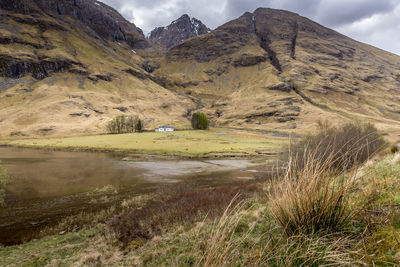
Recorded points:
(312,196)
(223,247)
(178,208)
(311,199)
(227,245)
(336,148)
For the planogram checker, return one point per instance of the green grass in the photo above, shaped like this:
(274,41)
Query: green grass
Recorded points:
(180,143)
(57,250)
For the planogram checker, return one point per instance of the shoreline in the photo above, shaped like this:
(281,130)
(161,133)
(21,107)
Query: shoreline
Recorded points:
(133,155)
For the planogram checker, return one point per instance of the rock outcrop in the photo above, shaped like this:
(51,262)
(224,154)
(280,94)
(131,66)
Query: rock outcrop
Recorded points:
(178,31)
(30,30)
(98,19)
(40,68)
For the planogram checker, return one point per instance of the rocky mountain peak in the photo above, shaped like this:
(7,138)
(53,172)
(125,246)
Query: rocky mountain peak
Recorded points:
(178,31)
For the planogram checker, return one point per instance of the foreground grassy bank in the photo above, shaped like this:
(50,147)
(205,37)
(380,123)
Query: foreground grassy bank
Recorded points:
(215,142)
(247,234)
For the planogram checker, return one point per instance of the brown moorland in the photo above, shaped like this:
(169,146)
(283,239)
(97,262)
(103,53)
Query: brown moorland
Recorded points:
(62,74)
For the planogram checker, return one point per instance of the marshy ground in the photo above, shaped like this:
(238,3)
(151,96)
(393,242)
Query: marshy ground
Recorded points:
(218,142)
(47,186)
(247,234)
(332,208)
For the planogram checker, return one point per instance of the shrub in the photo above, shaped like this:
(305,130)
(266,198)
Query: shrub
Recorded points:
(394,148)
(139,126)
(346,146)
(116,125)
(130,124)
(200,121)
(184,207)
(311,199)
(3,182)
(123,124)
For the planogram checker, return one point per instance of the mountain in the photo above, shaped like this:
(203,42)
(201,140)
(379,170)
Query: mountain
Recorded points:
(99,20)
(273,69)
(178,31)
(68,66)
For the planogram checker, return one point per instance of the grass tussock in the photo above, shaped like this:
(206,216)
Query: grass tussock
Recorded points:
(245,235)
(311,199)
(222,249)
(339,148)
(231,243)
(312,196)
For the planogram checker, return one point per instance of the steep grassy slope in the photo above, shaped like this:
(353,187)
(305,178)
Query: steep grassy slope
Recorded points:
(62,75)
(276,69)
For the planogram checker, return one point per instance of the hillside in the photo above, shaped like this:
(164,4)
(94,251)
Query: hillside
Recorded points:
(67,67)
(276,69)
(64,73)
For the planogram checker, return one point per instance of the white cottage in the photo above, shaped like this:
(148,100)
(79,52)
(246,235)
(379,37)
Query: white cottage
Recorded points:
(165,129)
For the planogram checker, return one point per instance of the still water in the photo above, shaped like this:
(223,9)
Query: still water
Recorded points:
(46,186)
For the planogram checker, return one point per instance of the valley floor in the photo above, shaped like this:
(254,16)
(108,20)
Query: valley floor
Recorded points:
(245,235)
(212,143)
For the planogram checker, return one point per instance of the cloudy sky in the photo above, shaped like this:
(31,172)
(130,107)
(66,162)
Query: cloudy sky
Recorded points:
(376,22)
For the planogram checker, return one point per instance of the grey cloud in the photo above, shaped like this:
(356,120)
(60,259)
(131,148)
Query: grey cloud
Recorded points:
(371,21)
(381,30)
(341,12)
(235,8)
(305,7)
(150,14)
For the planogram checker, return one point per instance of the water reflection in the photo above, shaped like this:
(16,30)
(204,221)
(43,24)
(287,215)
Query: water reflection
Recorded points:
(47,185)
